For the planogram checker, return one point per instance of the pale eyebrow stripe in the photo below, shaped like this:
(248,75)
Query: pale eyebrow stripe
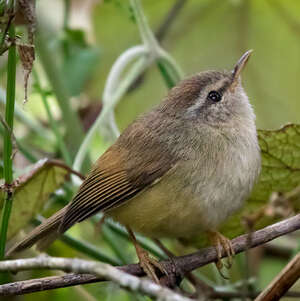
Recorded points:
(225,86)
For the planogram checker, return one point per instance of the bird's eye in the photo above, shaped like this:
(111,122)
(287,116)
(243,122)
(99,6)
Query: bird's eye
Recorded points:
(214,96)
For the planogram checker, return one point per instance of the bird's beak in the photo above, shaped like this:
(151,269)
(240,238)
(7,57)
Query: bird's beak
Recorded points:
(238,69)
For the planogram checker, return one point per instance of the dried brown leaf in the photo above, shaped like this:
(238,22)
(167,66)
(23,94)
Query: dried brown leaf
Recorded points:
(27,56)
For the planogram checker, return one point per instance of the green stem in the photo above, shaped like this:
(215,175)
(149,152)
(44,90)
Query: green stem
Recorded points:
(169,69)
(132,74)
(114,244)
(66,17)
(82,246)
(66,14)
(26,152)
(88,250)
(24,117)
(146,34)
(2,8)
(145,243)
(9,118)
(166,64)
(169,80)
(49,61)
(59,138)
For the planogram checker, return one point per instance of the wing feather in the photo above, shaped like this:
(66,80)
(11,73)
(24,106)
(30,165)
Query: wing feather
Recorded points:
(100,187)
(124,170)
(102,195)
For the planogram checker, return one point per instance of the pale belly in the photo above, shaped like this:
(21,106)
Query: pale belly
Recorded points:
(178,208)
(155,214)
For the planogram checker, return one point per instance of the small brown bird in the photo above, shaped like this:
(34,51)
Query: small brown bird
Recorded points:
(180,169)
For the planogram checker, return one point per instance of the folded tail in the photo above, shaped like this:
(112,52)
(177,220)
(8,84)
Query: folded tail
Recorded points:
(43,235)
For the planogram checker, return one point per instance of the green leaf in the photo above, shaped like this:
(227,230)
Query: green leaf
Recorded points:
(1,170)
(79,67)
(76,37)
(80,60)
(280,150)
(31,193)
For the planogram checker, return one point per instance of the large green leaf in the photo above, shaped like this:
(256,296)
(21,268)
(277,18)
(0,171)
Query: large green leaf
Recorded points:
(280,151)
(32,191)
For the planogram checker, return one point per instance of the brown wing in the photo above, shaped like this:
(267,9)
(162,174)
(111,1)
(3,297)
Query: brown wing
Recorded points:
(120,173)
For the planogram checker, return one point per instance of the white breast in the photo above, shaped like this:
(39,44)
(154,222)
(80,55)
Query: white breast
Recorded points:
(230,174)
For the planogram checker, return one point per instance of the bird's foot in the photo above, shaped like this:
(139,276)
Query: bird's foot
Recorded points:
(220,241)
(148,264)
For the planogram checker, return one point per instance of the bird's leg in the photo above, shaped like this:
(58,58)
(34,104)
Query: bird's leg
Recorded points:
(99,224)
(218,240)
(147,263)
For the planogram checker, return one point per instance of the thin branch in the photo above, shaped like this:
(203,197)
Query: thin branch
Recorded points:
(99,269)
(226,294)
(240,244)
(282,282)
(61,164)
(184,264)
(59,138)
(49,62)
(54,282)
(169,19)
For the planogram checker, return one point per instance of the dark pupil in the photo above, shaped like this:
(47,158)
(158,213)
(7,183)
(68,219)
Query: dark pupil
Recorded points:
(214,96)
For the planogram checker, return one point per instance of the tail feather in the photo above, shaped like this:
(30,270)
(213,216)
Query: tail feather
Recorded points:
(43,235)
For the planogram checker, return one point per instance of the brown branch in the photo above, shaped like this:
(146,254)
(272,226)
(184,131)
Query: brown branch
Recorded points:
(205,256)
(226,294)
(71,279)
(61,164)
(169,19)
(100,269)
(282,282)
(184,264)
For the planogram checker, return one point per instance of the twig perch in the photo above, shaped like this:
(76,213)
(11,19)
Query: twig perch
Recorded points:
(99,269)
(282,282)
(184,264)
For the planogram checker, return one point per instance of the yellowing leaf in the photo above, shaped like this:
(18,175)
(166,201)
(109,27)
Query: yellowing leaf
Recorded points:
(32,191)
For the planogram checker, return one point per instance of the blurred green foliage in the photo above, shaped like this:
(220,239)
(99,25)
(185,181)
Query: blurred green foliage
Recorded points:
(206,34)
(210,34)
(80,60)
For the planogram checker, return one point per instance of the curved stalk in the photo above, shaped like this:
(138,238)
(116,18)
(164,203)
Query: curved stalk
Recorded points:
(136,70)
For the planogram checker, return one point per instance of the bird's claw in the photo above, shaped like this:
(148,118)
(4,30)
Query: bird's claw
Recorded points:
(220,241)
(149,264)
